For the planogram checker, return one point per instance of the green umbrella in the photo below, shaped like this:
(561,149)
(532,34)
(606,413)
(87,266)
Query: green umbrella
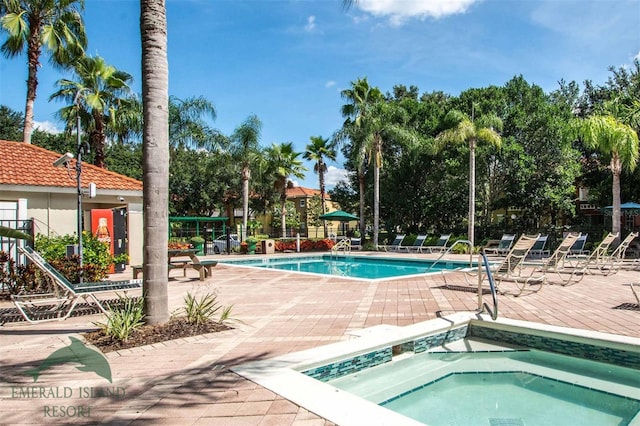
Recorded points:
(339,215)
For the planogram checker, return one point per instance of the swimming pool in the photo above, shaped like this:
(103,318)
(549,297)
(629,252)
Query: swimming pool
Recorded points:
(359,267)
(439,366)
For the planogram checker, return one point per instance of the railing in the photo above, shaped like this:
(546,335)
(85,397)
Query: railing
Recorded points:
(344,245)
(444,253)
(482,260)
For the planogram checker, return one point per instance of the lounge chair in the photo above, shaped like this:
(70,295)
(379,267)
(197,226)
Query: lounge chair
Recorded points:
(356,243)
(512,268)
(417,244)
(61,303)
(618,257)
(395,245)
(538,250)
(557,266)
(504,246)
(578,247)
(635,293)
(441,244)
(598,259)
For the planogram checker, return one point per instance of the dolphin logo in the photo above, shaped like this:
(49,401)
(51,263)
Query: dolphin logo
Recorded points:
(77,353)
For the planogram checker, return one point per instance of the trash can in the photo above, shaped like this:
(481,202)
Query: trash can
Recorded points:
(268,246)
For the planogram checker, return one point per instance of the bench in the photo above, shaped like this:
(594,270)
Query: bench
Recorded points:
(204,267)
(181,264)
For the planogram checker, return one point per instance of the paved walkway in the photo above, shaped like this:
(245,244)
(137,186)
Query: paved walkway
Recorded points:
(188,382)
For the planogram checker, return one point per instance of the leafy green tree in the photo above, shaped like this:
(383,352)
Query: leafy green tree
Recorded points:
(314,211)
(463,129)
(11,123)
(125,158)
(618,142)
(283,162)
(95,94)
(317,151)
(245,150)
(291,218)
(155,100)
(31,25)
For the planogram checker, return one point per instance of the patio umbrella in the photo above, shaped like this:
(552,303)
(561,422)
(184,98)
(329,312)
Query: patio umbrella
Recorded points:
(339,215)
(629,209)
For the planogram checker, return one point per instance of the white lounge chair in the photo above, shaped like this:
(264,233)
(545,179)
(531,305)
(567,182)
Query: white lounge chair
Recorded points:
(61,303)
(441,244)
(417,244)
(395,245)
(503,246)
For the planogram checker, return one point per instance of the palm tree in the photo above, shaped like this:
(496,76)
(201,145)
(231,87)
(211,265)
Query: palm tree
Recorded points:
(361,98)
(317,151)
(155,99)
(31,25)
(246,152)
(283,162)
(187,125)
(385,122)
(616,140)
(96,95)
(468,130)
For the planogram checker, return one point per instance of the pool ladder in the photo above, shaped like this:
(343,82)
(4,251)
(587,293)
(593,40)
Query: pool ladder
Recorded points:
(342,245)
(482,261)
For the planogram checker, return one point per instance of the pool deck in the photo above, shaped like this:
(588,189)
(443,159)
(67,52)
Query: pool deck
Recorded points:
(188,381)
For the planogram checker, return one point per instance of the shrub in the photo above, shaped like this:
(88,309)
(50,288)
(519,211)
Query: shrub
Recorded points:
(200,311)
(123,319)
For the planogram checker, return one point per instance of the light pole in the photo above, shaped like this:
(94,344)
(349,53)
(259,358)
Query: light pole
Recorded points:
(80,149)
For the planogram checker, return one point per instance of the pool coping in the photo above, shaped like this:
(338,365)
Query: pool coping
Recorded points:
(283,376)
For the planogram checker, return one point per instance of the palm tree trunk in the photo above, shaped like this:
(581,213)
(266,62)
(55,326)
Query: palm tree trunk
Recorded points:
(246,174)
(616,170)
(155,95)
(283,221)
(376,193)
(472,190)
(361,184)
(323,202)
(33,53)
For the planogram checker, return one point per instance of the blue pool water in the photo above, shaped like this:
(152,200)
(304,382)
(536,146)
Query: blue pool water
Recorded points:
(524,387)
(352,266)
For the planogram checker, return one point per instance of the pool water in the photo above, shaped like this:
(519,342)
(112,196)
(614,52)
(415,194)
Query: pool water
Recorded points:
(352,266)
(513,387)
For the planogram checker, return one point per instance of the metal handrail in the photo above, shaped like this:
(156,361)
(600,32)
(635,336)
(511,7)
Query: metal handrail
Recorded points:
(482,260)
(467,242)
(344,244)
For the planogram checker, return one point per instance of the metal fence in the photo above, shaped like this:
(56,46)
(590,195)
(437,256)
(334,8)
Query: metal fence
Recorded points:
(10,245)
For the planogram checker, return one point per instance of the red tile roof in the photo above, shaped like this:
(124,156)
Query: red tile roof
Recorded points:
(27,164)
(300,191)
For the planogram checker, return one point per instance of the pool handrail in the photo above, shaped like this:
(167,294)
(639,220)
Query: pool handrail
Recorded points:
(448,250)
(483,260)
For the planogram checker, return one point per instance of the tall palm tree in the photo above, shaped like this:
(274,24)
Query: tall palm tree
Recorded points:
(31,25)
(96,94)
(317,151)
(155,99)
(384,123)
(361,97)
(616,140)
(187,124)
(470,130)
(283,162)
(246,151)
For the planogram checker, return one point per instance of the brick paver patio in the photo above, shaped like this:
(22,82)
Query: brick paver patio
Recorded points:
(188,382)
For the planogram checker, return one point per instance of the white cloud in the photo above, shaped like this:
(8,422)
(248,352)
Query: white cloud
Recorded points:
(400,11)
(334,175)
(294,182)
(311,24)
(329,84)
(46,126)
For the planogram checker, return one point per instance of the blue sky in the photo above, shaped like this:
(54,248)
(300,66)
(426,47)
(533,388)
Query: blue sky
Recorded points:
(287,60)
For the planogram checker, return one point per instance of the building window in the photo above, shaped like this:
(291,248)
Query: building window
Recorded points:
(302,203)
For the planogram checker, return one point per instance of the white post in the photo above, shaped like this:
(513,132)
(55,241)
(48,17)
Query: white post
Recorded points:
(298,242)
